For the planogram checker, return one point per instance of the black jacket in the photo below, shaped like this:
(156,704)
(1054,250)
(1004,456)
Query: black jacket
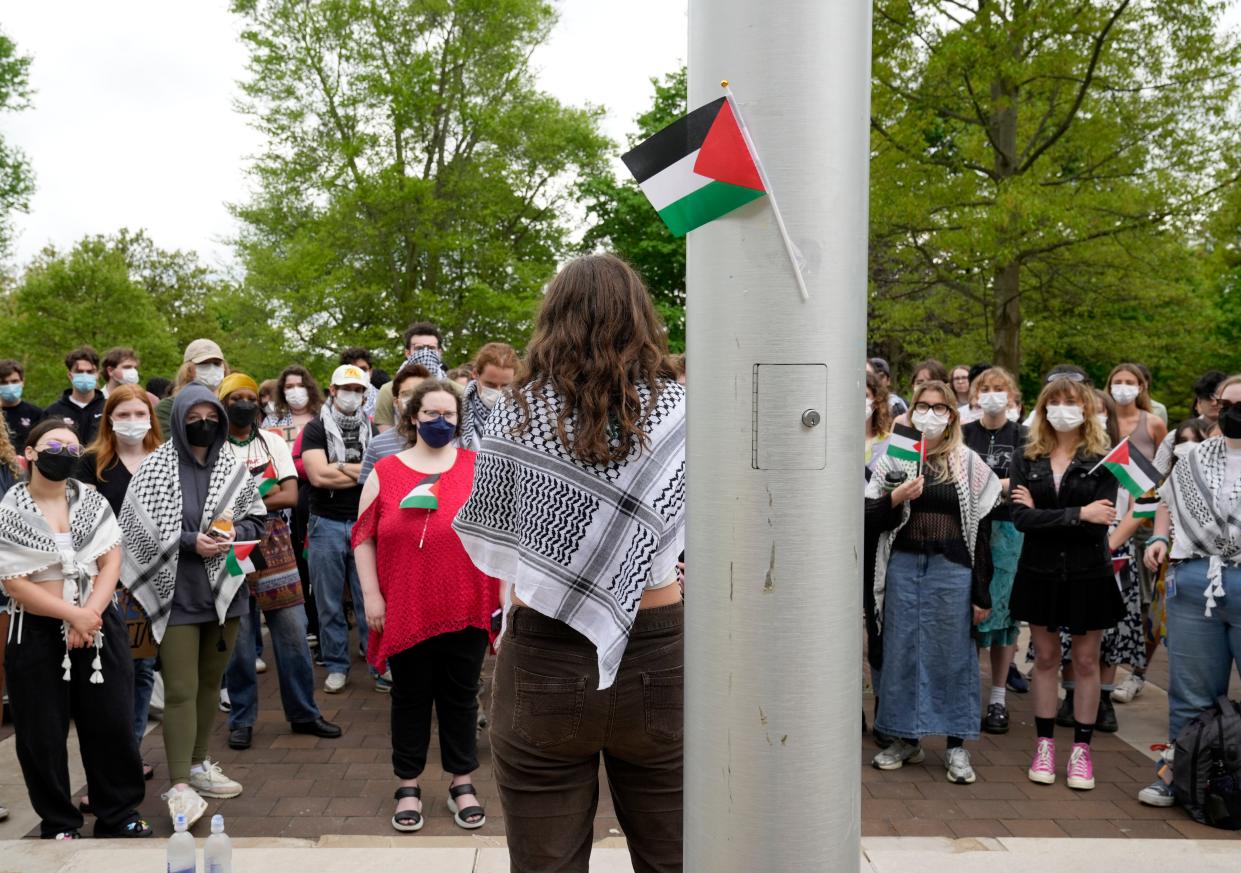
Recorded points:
(1057,542)
(85,419)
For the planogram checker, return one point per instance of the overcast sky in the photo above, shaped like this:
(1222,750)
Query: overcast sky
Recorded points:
(133,125)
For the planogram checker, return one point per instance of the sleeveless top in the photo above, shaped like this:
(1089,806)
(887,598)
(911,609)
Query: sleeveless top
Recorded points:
(1141,436)
(428,582)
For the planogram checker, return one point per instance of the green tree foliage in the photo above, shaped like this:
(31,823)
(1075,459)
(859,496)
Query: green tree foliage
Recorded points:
(123,290)
(1039,170)
(624,222)
(412,169)
(16,176)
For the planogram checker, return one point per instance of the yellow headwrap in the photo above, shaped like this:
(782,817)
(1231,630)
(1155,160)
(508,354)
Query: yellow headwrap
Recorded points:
(236,382)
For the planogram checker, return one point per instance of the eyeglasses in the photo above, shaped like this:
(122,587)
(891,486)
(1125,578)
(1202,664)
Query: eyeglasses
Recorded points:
(428,415)
(1069,374)
(55,447)
(1215,400)
(937,408)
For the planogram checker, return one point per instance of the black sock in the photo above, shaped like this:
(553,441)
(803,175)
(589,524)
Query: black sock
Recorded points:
(955,742)
(1082,733)
(1105,695)
(1046,727)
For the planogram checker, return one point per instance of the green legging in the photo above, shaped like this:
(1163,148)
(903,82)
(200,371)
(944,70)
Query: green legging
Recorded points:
(192,665)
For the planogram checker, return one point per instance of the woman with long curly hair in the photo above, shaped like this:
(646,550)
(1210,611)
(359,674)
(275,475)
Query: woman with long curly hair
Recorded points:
(578,504)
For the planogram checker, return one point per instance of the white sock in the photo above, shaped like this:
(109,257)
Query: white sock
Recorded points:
(198,768)
(999,694)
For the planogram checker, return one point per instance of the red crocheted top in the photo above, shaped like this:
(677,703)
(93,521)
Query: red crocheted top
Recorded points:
(430,589)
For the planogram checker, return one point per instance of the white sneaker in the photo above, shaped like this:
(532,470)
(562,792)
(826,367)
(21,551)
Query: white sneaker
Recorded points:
(186,802)
(260,666)
(335,683)
(210,781)
(897,755)
(1129,689)
(225,704)
(957,762)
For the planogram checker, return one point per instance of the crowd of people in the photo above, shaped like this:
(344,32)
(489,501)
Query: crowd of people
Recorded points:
(541,499)
(426,512)
(984,514)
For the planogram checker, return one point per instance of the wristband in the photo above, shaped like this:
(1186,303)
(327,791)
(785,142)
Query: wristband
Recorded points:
(1159,539)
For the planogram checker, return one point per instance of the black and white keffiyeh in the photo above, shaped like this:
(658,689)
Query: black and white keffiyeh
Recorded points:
(1191,493)
(476,415)
(347,435)
(28,545)
(151,522)
(579,542)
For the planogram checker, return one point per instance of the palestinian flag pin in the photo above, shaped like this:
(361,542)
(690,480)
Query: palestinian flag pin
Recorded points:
(697,169)
(426,494)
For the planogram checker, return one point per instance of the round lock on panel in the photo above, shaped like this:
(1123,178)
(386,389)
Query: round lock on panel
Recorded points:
(811,418)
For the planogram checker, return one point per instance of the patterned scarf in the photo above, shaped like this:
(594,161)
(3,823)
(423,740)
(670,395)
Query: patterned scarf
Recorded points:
(579,542)
(29,545)
(476,415)
(151,521)
(978,492)
(347,435)
(1190,494)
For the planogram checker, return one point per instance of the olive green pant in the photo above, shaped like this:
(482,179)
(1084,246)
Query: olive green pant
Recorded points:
(192,659)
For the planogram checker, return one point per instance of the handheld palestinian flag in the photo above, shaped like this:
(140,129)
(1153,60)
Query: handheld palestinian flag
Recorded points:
(1145,507)
(697,169)
(906,444)
(266,479)
(238,562)
(426,494)
(1135,473)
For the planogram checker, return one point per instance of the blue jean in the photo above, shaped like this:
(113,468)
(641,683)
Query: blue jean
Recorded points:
(144,684)
(331,569)
(1201,650)
(293,668)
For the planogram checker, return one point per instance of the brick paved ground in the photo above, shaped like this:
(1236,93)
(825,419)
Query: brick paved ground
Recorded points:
(298,786)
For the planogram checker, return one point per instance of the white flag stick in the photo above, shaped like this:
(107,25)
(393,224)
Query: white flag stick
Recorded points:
(1108,455)
(795,256)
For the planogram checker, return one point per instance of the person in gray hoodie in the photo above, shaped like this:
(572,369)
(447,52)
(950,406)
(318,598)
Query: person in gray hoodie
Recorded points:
(184,510)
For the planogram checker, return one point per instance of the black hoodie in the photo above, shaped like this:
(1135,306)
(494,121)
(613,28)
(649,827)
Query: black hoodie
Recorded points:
(84,418)
(192,601)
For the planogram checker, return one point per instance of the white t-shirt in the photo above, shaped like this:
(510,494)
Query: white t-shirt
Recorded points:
(266,446)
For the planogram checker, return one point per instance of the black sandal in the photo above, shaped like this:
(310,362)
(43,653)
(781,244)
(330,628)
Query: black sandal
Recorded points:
(462,816)
(407,820)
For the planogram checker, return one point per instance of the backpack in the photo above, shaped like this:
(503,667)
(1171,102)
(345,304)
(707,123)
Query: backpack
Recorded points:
(1206,766)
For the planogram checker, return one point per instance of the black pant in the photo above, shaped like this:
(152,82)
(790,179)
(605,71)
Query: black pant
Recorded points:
(443,670)
(43,703)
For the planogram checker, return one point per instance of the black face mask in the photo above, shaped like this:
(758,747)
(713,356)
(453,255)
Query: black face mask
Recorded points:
(202,433)
(1230,422)
(242,414)
(55,468)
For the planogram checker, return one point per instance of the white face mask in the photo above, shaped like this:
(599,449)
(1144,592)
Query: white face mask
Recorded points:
(870,409)
(489,396)
(129,376)
(131,431)
(931,424)
(1065,418)
(297,397)
(1125,394)
(992,402)
(1183,450)
(1102,419)
(269,407)
(1013,414)
(210,375)
(348,402)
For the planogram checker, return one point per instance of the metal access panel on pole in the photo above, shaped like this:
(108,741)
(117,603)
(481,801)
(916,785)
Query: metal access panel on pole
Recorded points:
(775,382)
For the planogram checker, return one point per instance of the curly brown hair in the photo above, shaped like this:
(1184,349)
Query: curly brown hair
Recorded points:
(407,421)
(596,339)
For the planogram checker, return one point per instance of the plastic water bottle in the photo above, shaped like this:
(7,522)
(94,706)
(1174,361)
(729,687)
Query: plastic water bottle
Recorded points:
(181,855)
(218,850)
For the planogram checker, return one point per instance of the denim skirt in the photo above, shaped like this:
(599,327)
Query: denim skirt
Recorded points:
(930,666)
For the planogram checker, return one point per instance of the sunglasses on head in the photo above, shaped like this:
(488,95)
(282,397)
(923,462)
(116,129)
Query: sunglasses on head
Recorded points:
(56,447)
(1071,376)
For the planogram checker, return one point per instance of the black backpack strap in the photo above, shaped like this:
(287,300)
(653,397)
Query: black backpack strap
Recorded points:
(1229,726)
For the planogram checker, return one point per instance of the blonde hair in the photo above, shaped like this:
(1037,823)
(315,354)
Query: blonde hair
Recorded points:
(1091,439)
(1227,383)
(993,373)
(8,454)
(937,458)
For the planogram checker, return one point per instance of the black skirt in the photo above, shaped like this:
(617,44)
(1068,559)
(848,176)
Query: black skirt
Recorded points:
(1056,601)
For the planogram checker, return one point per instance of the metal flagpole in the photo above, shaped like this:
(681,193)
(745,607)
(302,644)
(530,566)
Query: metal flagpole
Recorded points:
(773,634)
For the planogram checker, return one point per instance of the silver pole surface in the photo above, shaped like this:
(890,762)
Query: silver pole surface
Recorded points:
(773,644)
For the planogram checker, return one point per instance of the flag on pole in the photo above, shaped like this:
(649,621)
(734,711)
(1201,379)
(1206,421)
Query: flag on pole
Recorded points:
(1135,473)
(426,494)
(697,169)
(1145,507)
(266,479)
(906,444)
(238,561)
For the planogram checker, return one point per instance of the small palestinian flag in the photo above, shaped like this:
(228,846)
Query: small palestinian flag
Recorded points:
(1136,474)
(238,562)
(1145,507)
(426,494)
(266,479)
(906,444)
(697,169)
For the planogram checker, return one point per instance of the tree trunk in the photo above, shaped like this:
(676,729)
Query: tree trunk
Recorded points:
(1005,97)
(1006,340)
